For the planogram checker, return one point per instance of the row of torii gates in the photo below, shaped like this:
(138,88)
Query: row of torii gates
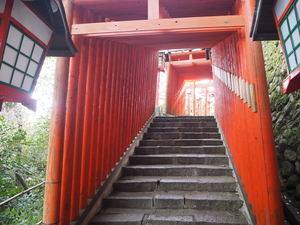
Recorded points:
(106,94)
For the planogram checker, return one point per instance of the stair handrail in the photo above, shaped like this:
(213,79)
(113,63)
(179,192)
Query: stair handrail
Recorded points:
(21,193)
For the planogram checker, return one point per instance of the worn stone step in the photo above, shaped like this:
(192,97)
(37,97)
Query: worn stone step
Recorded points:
(178,175)
(152,150)
(175,183)
(181,135)
(121,216)
(174,200)
(179,159)
(181,142)
(183,129)
(185,124)
(184,119)
(177,170)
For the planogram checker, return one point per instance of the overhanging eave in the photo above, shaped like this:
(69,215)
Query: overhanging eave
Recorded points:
(62,44)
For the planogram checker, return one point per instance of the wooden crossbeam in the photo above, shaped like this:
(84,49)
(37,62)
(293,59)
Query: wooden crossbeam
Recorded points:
(158,26)
(93,2)
(189,61)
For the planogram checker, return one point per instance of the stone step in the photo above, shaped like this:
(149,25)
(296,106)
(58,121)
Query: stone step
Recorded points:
(183,129)
(184,119)
(181,142)
(174,200)
(121,216)
(185,124)
(178,175)
(180,135)
(152,150)
(175,183)
(177,170)
(179,159)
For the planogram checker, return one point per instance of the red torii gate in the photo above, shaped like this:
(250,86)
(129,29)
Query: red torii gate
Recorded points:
(184,67)
(105,95)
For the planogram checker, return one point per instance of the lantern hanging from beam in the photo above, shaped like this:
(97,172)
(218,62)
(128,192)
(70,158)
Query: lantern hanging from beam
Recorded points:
(287,18)
(161,61)
(25,38)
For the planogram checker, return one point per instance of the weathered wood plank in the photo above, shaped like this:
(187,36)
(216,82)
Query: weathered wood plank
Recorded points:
(140,27)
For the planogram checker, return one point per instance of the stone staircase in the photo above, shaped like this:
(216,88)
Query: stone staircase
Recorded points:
(178,175)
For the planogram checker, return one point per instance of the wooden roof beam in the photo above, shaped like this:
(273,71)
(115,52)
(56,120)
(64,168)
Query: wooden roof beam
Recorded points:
(159,26)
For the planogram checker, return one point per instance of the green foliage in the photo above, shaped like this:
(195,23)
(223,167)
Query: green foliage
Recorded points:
(24,210)
(23,153)
(20,154)
(11,142)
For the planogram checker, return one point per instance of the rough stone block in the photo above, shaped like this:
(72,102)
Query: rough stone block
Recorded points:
(168,201)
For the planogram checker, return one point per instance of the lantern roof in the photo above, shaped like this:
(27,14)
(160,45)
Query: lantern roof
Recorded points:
(62,44)
(263,24)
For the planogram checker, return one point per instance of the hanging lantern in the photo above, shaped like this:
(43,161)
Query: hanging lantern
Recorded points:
(25,38)
(161,61)
(287,18)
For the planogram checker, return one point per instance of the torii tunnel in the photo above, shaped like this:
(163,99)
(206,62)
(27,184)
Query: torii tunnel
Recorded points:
(184,68)
(106,94)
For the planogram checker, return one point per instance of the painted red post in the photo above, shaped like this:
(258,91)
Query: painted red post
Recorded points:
(96,111)
(194,98)
(268,158)
(56,135)
(106,109)
(90,119)
(71,128)
(124,96)
(131,95)
(56,138)
(111,111)
(101,134)
(127,107)
(116,106)
(120,108)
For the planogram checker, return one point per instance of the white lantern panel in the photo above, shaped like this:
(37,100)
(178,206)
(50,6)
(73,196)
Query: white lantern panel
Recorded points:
(14,37)
(37,53)
(284,29)
(298,9)
(32,22)
(288,46)
(292,61)
(298,54)
(5,73)
(296,37)
(27,83)
(2,5)
(292,19)
(27,46)
(22,62)
(17,79)
(10,55)
(280,7)
(32,68)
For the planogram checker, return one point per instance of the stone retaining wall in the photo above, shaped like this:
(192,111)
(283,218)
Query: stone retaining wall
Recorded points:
(286,122)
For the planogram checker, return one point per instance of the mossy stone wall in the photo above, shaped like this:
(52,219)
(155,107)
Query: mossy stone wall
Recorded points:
(286,121)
